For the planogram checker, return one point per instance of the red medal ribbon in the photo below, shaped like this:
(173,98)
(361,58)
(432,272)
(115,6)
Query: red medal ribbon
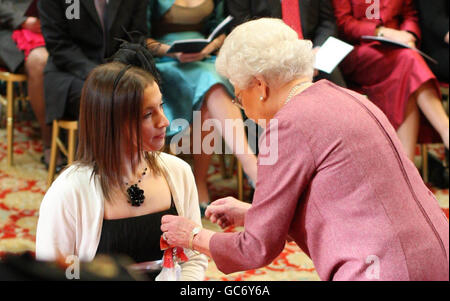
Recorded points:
(170,252)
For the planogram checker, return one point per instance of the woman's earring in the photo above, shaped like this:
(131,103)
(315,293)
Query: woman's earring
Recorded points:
(261,98)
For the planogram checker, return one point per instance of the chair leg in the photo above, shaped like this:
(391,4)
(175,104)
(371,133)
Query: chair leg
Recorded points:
(424,152)
(71,145)
(240,182)
(10,121)
(223,166)
(231,166)
(54,151)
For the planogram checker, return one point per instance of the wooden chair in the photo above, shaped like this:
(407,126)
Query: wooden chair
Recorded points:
(227,172)
(10,79)
(71,127)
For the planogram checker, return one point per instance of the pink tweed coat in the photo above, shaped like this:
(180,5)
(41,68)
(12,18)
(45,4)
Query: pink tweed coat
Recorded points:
(345,191)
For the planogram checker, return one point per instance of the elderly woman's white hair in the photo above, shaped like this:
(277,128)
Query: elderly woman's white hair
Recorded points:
(265,47)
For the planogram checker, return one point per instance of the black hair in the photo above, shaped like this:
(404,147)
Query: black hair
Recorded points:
(136,54)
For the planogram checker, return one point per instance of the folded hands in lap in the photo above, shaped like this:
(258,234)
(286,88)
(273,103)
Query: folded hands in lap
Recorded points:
(400,36)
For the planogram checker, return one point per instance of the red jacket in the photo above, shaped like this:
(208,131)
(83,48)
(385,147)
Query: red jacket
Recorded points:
(353,21)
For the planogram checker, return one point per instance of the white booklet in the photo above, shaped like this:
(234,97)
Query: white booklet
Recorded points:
(197,45)
(332,52)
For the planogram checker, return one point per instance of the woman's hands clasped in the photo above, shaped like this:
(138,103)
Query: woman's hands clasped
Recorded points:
(400,36)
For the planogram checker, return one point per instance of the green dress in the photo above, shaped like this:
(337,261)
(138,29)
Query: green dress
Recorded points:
(184,85)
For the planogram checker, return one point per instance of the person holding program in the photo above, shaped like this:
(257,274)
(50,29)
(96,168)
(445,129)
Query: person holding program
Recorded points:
(190,81)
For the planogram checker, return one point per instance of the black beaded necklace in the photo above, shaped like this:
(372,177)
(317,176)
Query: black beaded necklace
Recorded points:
(135,194)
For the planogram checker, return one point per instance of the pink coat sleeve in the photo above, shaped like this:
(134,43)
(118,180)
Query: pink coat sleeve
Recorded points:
(278,192)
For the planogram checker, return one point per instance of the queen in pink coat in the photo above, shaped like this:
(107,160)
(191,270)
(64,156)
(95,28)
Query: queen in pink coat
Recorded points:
(334,178)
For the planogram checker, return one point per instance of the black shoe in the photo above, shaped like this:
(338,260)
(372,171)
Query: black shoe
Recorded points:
(438,173)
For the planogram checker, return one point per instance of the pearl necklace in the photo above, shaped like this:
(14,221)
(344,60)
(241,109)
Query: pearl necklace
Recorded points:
(294,90)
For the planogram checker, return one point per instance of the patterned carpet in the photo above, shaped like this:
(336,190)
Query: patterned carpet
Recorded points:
(23,186)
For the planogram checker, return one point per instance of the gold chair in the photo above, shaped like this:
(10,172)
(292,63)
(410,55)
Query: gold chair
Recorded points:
(11,79)
(71,127)
(424,153)
(228,173)
(240,181)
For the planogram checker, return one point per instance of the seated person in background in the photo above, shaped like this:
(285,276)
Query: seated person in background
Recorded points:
(317,22)
(80,43)
(95,206)
(434,23)
(435,34)
(22,45)
(190,81)
(396,79)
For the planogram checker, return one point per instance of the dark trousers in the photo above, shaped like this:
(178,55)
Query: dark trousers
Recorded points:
(72,110)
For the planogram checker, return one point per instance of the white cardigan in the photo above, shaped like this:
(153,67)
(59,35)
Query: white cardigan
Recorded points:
(71,214)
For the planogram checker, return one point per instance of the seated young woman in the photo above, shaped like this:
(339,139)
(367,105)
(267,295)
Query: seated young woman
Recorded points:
(111,200)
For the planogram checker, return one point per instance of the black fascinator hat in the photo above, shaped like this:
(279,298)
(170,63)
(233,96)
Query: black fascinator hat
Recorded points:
(136,54)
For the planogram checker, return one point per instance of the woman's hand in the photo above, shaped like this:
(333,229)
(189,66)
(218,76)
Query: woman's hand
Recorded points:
(33,24)
(191,57)
(400,36)
(196,57)
(446,39)
(227,212)
(177,230)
